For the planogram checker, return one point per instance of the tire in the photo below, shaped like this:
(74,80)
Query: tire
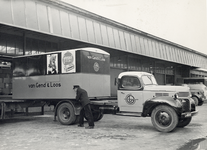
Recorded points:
(184,122)
(196,100)
(97,115)
(66,114)
(200,103)
(164,118)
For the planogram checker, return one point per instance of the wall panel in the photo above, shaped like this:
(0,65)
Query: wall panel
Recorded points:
(98,35)
(122,40)
(167,52)
(146,47)
(90,31)
(138,45)
(65,25)
(128,42)
(19,13)
(31,15)
(156,51)
(43,19)
(110,37)
(142,45)
(5,8)
(154,48)
(104,34)
(116,39)
(55,19)
(151,48)
(134,48)
(82,29)
(74,26)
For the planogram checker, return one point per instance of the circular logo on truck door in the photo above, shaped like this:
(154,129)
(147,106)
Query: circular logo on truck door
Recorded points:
(96,67)
(130,100)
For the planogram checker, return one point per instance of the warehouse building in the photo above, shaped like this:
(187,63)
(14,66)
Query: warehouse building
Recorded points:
(38,26)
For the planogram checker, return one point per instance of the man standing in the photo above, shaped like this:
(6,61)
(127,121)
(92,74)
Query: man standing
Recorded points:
(82,97)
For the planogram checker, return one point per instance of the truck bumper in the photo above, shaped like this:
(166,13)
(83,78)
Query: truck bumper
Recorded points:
(188,114)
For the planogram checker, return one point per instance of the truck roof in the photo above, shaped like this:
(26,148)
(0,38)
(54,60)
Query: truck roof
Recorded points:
(134,73)
(91,49)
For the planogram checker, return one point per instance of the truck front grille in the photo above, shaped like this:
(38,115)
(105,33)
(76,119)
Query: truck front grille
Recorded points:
(183,94)
(186,105)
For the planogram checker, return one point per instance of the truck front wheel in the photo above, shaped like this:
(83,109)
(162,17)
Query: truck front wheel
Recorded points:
(196,100)
(66,114)
(164,118)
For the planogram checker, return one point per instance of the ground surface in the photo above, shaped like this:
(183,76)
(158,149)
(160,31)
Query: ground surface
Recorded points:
(110,133)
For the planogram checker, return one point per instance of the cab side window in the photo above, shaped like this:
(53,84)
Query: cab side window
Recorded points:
(129,83)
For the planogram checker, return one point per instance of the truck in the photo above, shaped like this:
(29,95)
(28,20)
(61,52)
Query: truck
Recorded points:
(198,88)
(198,92)
(195,80)
(49,79)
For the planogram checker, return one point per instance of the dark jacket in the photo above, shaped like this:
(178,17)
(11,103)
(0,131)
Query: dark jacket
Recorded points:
(82,96)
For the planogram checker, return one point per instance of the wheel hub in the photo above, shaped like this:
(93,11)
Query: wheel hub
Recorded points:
(164,118)
(66,114)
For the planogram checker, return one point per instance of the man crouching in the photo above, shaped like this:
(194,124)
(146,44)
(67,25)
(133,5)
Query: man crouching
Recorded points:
(82,97)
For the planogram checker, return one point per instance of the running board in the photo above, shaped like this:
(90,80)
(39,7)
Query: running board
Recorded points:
(129,114)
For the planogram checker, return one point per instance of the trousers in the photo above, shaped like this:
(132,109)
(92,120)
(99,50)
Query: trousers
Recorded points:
(86,111)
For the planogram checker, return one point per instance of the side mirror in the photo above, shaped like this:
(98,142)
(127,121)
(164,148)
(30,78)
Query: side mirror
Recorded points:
(116,81)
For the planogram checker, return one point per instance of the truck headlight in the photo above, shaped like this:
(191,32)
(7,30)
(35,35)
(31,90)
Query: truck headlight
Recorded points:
(175,96)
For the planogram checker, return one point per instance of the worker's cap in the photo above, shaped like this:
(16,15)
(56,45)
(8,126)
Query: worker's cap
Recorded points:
(76,86)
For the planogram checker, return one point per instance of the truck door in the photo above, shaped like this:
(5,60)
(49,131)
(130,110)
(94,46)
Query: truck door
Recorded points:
(130,94)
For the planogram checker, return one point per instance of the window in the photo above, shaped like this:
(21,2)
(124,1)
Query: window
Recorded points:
(34,65)
(130,83)
(148,80)
(30,66)
(19,67)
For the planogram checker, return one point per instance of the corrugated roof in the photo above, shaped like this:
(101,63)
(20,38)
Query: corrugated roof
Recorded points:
(67,21)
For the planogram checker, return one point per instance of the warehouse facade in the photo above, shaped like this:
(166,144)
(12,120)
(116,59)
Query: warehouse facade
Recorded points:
(38,26)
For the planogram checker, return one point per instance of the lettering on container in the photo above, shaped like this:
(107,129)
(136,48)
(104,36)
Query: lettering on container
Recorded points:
(45,85)
(96,58)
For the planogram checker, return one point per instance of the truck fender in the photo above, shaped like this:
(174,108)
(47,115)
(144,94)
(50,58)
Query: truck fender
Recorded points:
(198,96)
(150,104)
(195,94)
(76,106)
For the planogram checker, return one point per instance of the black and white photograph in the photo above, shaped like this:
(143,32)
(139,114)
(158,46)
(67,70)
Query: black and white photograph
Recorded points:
(103,74)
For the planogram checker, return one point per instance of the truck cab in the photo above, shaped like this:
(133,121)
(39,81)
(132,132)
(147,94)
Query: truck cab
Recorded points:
(199,92)
(138,92)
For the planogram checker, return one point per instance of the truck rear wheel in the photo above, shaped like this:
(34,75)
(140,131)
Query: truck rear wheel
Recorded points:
(184,122)
(98,116)
(66,114)
(164,118)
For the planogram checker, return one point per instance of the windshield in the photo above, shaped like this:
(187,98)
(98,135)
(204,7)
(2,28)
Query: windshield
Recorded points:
(149,80)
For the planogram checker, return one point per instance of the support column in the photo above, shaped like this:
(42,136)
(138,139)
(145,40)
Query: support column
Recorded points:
(24,43)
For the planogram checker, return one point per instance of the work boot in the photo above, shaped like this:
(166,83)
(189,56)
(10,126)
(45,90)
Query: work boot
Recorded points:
(80,125)
(89,127)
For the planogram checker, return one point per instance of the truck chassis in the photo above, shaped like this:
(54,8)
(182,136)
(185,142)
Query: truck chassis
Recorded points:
(164,117)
